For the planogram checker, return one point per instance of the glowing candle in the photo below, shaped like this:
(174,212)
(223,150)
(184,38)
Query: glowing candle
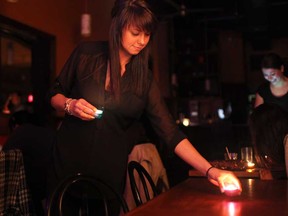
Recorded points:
(230,187)
(250,164)
(231,190)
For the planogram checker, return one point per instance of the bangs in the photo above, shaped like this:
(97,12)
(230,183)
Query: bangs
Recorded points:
(140,18)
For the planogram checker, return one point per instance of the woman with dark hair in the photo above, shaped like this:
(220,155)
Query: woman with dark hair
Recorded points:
(269,128)
(104,88)
(275,90)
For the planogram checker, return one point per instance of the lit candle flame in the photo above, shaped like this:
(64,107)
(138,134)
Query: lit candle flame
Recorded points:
(231,190)
(250,164)
(230,187)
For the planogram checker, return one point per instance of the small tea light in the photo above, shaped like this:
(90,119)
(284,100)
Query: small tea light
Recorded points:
(98,114)
(231,190)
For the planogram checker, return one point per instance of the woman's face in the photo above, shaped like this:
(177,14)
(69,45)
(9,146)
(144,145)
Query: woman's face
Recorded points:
(272,75)
(134,40)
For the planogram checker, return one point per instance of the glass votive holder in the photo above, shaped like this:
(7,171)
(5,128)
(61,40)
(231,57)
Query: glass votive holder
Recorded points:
(247,156)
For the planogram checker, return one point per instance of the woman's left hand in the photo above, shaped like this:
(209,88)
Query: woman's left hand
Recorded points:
(223,179)
(82,109)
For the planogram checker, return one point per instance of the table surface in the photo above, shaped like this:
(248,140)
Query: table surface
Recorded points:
(238,173)
(239,169)
(197,196)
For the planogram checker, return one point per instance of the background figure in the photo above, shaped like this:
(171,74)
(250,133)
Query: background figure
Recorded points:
(35,143)
(275,90)
(14,103)
(269,126)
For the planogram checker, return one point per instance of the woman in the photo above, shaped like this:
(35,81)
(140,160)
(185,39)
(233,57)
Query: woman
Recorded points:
(276,89)
(115,76)
(269,128)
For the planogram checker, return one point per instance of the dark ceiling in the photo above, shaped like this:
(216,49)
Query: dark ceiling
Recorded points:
(267,16)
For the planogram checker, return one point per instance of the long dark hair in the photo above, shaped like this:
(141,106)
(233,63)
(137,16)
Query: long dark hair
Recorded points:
(125,13)
(272,60)
(269,126)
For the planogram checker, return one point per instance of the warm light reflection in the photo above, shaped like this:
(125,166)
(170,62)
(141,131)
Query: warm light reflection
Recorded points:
(249,190)
(249,170)
(231,209)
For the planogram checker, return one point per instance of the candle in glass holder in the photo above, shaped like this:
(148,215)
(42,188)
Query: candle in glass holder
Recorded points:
(250,164)
(247,156)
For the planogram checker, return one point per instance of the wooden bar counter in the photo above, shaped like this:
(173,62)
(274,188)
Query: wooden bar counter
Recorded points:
(197,196)
(238,173)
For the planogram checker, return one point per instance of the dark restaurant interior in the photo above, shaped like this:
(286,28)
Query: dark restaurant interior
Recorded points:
(206,59)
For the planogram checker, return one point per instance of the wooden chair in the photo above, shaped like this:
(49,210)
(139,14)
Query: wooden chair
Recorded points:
(93,187)
(144,178)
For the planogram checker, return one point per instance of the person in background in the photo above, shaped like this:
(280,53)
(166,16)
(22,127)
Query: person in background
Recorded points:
(269,131)
(35,143)
(275,90)
(104,88)
(13,103)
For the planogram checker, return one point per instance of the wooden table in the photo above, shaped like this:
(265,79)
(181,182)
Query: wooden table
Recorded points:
(197,196)
(238,173)
(238,168)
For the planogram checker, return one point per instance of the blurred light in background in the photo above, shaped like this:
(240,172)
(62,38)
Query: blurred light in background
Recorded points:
(30,98)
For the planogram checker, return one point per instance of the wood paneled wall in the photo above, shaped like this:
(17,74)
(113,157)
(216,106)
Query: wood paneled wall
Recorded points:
(61,19)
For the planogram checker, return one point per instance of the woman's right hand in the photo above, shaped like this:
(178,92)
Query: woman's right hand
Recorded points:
(223,178)
(82,109)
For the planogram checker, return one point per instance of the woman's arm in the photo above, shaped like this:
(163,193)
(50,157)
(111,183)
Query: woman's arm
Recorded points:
(166,128)
(190,155)
(6,109)
(58,102)
(258,100)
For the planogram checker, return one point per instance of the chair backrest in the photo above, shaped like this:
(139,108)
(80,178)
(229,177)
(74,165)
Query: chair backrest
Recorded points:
(14,193)
(145,178)
(92,187)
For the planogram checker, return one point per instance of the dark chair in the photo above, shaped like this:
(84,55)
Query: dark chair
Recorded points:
(85,186)
(145,178)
